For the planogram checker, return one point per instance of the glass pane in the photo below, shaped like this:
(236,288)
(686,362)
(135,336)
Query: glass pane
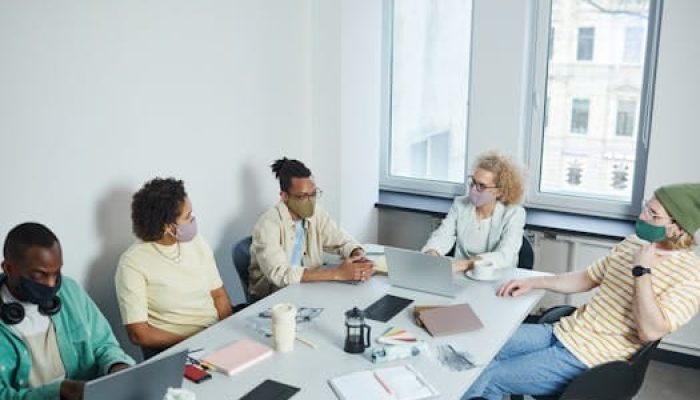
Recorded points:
(429,78)
(590,137)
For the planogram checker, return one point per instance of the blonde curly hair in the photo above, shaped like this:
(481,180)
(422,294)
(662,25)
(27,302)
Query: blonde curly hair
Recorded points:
(509,176)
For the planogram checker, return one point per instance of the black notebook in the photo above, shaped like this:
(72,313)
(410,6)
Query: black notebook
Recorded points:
(271,390)
(385,308)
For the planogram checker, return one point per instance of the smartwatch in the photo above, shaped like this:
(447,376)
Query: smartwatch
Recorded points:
(638,271)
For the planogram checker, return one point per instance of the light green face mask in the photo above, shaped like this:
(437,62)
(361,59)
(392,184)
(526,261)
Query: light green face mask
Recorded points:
(302,208)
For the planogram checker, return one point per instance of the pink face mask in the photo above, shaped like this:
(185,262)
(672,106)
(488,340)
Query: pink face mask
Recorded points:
(480,198)
(186,232)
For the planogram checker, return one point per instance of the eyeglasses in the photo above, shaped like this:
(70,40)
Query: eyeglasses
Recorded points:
(653,214)
(480,187)
(308,196)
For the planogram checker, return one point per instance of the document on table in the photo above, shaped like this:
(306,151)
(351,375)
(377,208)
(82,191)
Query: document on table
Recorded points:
(393,383)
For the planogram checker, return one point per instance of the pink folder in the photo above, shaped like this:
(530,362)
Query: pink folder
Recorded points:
(449,320)
(238,356)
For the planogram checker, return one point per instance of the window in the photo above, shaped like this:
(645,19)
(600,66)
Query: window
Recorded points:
(632,52)
(626,110)
(579,115)
(427,156)
(586,38)
(591,158)
(428,86)
(574,173)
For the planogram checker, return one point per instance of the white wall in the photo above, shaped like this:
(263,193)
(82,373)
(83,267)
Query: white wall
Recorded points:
(346,65)
(498,85)
(98,97)
(675,139)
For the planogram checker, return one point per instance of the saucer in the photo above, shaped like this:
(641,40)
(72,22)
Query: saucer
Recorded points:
(470,274)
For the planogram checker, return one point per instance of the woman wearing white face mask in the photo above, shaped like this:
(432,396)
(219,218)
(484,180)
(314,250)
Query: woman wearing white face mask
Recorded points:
(168,285)
(488,223)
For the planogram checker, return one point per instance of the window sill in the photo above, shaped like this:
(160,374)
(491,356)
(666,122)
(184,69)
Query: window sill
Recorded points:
(537,219)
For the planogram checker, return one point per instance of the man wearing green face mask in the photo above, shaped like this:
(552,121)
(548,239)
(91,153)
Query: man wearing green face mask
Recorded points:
(290,238)
(649,286)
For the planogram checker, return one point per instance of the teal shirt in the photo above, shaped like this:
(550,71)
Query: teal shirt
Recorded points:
(85,340)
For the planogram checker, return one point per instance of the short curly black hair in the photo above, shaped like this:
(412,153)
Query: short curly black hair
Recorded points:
(26,235)
(285,169)
(158,203)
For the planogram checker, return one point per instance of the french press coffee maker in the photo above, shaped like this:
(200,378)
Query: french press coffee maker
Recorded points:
(357,332)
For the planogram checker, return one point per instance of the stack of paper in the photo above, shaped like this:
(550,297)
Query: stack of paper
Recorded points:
(380,267)
(397,336)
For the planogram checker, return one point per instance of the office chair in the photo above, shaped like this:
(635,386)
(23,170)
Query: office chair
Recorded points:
(240,253)
(616,380)
(149,352)
(526,255)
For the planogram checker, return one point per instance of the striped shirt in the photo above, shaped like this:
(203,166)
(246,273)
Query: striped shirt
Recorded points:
(604,329)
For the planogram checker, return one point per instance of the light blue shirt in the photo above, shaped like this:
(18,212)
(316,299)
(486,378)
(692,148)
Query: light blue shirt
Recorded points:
(298,251)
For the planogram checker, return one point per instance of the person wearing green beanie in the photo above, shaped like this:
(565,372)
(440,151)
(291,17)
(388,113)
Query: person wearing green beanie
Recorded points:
(649,286)
(682,202)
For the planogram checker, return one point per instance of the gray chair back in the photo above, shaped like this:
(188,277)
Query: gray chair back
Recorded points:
(240,253)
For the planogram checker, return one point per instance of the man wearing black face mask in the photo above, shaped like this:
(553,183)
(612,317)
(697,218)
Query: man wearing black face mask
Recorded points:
(53,336)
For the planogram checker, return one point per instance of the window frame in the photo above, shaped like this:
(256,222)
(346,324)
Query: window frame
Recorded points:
(407,184)
(538,75)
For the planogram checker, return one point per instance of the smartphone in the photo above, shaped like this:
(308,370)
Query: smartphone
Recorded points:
(196,374)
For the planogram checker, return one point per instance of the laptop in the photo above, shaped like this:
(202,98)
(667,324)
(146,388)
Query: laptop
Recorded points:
(149,380)
(417,271)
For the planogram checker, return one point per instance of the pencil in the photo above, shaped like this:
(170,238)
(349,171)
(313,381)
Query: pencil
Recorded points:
(381,382)
(306,342)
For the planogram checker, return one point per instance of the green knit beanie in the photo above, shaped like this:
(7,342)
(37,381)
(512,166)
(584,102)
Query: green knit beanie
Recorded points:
(682,201)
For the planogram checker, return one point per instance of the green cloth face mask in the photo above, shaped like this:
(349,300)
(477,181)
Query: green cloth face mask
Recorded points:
(302,208)
(649,232)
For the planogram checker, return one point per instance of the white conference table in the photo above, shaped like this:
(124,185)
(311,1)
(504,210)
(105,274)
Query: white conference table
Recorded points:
(310,369)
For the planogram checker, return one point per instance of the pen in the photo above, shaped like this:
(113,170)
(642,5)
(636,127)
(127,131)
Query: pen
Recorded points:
(381,382)
(306,342)
(201,363)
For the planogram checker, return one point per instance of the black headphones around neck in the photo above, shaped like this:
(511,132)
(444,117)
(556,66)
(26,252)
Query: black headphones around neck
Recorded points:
(13,313)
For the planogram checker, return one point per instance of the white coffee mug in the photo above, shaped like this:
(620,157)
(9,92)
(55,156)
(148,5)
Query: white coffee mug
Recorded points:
(486,270)
(284,321)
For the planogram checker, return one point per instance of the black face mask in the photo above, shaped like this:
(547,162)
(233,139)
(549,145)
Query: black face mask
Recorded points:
(38,293)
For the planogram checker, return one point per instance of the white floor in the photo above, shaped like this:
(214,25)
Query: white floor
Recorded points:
(670,382)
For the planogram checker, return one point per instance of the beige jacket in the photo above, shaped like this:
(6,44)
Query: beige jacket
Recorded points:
(273,243)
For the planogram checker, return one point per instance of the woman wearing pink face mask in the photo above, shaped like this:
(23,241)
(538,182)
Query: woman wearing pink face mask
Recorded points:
(488,222)
(168,285)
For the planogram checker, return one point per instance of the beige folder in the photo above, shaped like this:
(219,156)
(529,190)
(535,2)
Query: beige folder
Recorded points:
(450,320)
